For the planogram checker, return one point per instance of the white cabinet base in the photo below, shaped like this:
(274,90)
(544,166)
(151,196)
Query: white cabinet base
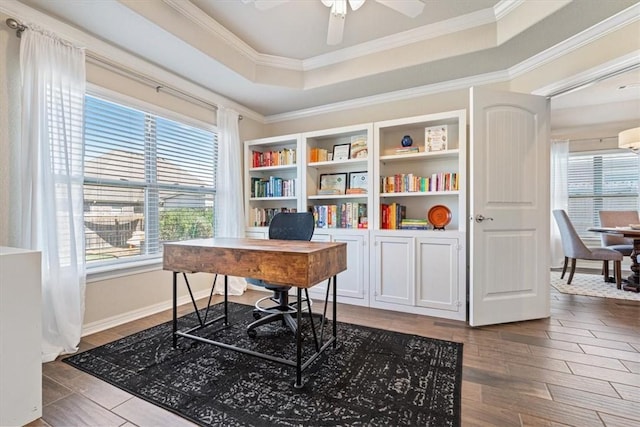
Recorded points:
(20,337)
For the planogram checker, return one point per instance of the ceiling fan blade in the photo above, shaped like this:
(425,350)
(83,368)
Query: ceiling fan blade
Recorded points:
(411,8)
(336,27)
(356,4)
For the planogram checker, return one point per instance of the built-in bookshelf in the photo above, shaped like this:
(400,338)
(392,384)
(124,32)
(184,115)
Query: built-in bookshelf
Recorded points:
(272,178)
(338,172)
(370,190)
(430,172)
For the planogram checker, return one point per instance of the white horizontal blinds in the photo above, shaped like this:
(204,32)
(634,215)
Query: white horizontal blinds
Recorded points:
(152,230)
(608,181)
(186,173)
(114,142)
(147,180)
(184,155)
(114,189)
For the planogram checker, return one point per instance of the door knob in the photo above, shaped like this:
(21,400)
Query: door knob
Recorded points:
(480,218)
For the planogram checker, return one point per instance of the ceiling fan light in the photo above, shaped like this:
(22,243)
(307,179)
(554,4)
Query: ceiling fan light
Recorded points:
(339,8)
(630,139)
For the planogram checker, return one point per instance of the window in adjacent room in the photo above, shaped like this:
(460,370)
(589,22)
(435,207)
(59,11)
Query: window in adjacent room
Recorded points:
(148,180)
(601,181)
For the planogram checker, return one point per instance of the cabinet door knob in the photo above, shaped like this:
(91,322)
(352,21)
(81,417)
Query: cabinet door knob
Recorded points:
(480,218)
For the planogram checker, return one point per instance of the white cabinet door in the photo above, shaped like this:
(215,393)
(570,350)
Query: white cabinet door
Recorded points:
(509,196)
(393,269)
(438,273)
(353,281)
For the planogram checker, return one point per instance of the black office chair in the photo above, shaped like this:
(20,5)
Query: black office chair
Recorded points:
(283,226)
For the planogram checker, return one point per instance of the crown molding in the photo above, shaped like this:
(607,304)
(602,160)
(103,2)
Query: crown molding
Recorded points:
(202,20)
(591,76)
(505,7)
(617,21)
(426,32)
(400,95)
(598,31)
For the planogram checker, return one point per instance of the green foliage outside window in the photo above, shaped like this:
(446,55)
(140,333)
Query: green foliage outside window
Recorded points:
(186,223)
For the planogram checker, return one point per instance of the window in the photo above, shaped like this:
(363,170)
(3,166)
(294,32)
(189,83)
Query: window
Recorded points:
(148,180)
(607,181)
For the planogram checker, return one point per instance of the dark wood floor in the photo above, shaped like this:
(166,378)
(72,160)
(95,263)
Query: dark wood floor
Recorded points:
(581,367)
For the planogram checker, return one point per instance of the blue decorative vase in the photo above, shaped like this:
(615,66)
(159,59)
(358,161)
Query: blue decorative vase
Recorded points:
(406,141)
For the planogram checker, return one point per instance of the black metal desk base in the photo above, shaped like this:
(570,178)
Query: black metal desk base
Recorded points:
(298,363)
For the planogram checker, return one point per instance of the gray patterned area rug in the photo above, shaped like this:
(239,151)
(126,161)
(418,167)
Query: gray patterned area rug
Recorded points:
(374,377)
(591,285)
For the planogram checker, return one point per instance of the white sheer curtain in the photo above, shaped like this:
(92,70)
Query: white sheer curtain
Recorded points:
(229,206)
(559,195)
(51,176)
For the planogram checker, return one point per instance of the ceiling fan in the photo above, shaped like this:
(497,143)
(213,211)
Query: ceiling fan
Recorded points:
(410,8)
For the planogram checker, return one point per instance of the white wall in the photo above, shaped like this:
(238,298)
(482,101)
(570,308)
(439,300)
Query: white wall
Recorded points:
(9,127)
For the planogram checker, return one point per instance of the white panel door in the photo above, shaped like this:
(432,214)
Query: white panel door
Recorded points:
(394,269)
(509,207)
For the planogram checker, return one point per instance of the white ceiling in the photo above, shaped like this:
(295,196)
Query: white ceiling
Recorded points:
(276,62)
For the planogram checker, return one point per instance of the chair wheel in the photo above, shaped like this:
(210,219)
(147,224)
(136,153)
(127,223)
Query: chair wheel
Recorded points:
(252,333)
(257,315)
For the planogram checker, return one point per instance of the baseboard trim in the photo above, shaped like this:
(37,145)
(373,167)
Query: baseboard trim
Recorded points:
(111,322)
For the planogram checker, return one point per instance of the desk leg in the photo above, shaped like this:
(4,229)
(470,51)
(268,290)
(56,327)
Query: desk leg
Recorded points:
(226,299)
(175,309)
(335,311)
(298,383)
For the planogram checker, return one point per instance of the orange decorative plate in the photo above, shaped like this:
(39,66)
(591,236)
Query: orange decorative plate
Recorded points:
(439,216)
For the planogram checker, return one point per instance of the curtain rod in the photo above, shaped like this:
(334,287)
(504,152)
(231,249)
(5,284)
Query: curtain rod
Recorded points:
(596,138)
(15,25)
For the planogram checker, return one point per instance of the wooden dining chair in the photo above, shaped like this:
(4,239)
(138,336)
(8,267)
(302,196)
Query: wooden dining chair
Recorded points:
(574,248)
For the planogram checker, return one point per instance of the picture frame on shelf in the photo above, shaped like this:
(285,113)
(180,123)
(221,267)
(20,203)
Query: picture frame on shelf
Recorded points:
(359,147)
(435,138)
(358,182)
(333,183)
(341,152)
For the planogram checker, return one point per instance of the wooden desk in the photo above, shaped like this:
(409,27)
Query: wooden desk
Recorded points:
(633,281)
(296,263)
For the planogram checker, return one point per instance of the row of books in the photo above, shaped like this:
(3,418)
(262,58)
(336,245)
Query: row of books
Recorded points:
(406,150)
(402,183)
(286,156)
(318,155)
(261,217)
(343,215)
(273,187)
(414,224)
(391,215)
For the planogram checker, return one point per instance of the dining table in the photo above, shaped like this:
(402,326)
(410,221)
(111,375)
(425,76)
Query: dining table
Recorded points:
(632,283)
